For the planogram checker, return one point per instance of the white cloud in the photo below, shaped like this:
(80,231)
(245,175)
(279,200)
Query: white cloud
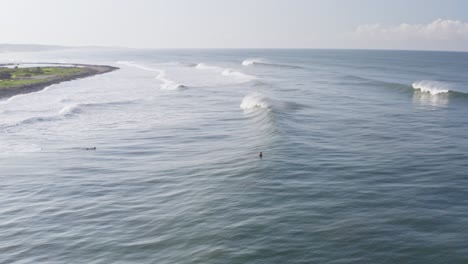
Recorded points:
(439,35)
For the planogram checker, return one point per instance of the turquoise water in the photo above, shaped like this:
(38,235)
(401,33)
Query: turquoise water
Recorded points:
(365,159)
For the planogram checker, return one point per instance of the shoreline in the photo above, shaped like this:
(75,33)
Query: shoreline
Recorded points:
(90,70)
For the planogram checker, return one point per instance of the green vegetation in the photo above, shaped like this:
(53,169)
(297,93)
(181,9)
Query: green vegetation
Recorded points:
(13,82)
(18,77)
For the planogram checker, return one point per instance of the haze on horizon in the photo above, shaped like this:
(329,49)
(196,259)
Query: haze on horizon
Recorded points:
(364,24)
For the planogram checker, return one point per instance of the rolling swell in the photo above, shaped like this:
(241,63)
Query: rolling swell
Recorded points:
(261,120)
(359,174)
(432,88)
(73,109)
(65,112)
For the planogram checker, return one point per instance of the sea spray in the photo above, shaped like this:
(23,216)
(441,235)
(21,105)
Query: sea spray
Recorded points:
(432,87)
(255,100)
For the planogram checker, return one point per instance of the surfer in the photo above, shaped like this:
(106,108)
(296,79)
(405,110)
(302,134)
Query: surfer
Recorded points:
(260,155)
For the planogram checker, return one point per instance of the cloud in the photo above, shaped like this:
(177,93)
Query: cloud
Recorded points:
(439,35)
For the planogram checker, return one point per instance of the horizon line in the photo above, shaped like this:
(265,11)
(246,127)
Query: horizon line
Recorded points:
(230,48)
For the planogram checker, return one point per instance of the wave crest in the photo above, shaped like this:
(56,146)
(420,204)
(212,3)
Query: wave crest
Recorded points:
(432,87)
(249,62)
(262,62)
(70,110)
(255,100)
(166,84)
(225,72)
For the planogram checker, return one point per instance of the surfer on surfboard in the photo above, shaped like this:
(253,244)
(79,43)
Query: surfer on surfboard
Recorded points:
(260,155)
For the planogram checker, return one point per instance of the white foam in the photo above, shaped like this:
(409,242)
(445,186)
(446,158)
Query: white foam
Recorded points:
(203,66)
(70,109)
(249,62)
(166,84)
(78,108)
(255,100)
(18,147)
(432,87)
(13,98)
(138,66)
(21,96)
(226,72)
(263,62)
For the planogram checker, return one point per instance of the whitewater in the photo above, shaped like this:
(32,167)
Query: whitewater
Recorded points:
(364,158)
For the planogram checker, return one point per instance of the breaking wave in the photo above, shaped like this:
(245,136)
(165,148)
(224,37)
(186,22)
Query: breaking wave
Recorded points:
(432,87)
(226,72)
(138,66)
(65,112)
(70,110)
(73,109)
(255,100)
(262,62)
(166,83)
(249,62)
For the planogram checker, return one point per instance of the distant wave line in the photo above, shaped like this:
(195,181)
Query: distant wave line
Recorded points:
(226,72)
(262,62)
(166,83)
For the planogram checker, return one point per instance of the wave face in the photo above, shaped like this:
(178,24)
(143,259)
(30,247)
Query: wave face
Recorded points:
(432,87)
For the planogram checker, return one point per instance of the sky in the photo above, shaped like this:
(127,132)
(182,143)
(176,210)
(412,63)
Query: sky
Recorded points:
(336,24)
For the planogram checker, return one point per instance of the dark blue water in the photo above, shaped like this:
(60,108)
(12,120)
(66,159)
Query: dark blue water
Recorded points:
(365,159)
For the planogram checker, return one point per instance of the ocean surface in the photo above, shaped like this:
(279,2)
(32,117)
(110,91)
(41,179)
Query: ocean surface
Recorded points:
(365,158)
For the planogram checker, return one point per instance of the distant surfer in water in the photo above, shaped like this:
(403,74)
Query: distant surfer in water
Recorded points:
(93,148)
(260,155)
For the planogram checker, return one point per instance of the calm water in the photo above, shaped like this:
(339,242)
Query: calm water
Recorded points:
(365,159)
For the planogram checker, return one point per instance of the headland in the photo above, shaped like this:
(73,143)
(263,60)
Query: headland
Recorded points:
(31,77)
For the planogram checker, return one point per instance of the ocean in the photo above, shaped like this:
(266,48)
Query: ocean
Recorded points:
(364,158)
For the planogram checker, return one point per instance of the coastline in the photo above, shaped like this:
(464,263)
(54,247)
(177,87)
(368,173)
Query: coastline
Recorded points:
(90,70)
